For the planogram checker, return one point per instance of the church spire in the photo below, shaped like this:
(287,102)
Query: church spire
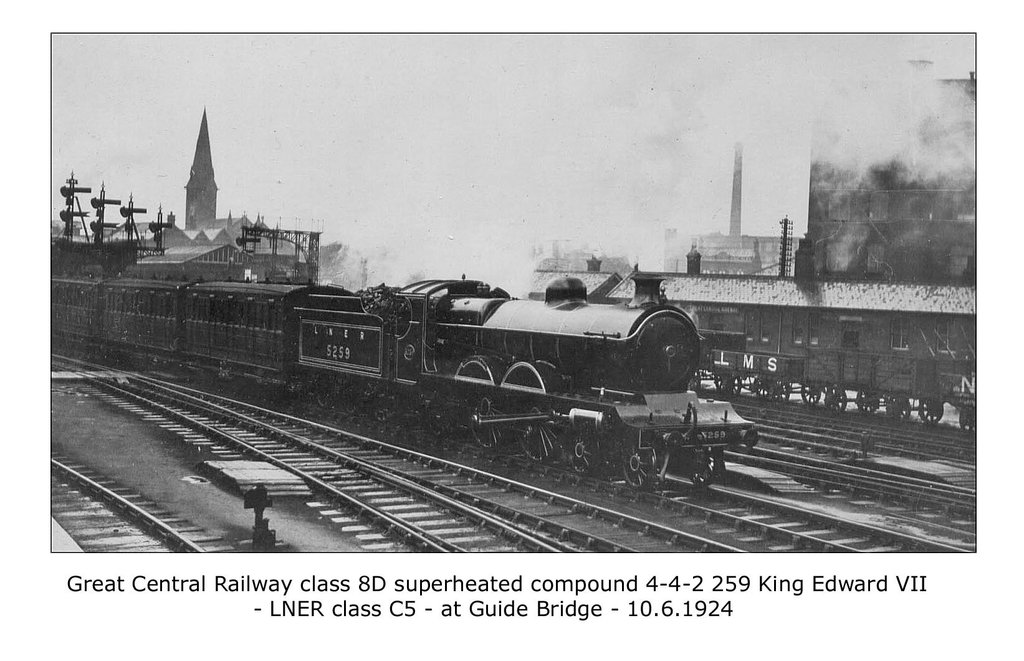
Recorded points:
(201,189)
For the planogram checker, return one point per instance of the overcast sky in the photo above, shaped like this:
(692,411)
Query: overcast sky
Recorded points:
(441,147)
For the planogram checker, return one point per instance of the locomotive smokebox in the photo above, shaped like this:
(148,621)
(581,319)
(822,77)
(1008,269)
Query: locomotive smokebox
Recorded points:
(565,290)
(647,290)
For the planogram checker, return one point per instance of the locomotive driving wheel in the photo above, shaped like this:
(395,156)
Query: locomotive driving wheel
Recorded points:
(930,410)
(836,398)
(761,388)
(585,455)
(538,440)
(487,436)
(968,418)
(810,394)
(640,467)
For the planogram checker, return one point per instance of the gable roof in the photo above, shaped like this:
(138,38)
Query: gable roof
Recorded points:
(839,295)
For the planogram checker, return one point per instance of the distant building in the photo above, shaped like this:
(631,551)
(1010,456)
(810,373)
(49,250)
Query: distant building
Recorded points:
(598,283)
(210,262)
(721,254)
(201,189)
(911,218)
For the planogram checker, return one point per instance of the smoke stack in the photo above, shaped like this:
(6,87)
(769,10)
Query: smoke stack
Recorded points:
(737,191)
(803,261)
(594,264)
(646,290)
(693,261)
(170,219)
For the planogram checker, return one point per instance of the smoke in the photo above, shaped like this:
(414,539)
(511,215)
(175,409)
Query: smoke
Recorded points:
(906,130)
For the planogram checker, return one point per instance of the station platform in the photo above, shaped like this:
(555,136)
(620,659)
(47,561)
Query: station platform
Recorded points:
(922,469)
(60,540)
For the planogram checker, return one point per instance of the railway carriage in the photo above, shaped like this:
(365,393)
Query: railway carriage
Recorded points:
(73,309)
(142,313)
(899,346)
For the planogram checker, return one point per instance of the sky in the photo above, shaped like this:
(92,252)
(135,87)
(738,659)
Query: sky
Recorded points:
(458,153)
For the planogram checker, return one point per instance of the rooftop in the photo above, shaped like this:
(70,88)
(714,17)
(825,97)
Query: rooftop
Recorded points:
(840,295)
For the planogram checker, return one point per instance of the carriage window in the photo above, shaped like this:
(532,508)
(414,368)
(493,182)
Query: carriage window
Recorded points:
(799,328)
(942,336)
(851,337)
(813,324)
(750,323)
(766,324)
(899,333)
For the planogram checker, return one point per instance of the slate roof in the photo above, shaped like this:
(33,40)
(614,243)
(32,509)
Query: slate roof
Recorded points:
(181,254)
(839,295)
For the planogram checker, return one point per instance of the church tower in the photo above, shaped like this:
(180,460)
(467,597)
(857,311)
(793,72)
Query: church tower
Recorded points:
(201,189)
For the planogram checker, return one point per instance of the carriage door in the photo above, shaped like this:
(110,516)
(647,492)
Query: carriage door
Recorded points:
(849,342)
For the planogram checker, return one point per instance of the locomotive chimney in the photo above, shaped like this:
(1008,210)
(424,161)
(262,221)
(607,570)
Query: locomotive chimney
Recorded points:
(803,261)
(646,290)
(737,192)
(693,261)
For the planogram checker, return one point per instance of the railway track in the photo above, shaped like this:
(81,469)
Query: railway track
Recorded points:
(102,516)
(759,525)
(411,496)
(923,495)
(788,424)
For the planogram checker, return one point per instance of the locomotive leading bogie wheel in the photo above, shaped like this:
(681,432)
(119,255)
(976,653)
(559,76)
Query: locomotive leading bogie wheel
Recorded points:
(640,467)
(585,455)
(930,410)
(538,440)
(490,435)
(835,398)
(810,394)
(705,466)
(968,418)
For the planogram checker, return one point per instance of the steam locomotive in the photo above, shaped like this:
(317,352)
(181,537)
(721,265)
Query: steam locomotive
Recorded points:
(597,386)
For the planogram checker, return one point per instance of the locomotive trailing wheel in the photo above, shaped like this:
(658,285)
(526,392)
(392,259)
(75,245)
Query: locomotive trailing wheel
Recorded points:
(585,455)
(810,394)
(735,386)
(835,398)
(487,436)
(968,418)
(538,440)
(930,410)
(640,467)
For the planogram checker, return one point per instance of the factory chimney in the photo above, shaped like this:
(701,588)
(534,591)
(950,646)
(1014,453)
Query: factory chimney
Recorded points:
(737,192)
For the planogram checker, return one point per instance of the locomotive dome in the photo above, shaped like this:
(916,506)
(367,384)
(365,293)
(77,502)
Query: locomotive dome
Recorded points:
(565,290)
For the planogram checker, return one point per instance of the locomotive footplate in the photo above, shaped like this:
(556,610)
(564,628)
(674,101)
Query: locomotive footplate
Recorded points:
(687,420)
